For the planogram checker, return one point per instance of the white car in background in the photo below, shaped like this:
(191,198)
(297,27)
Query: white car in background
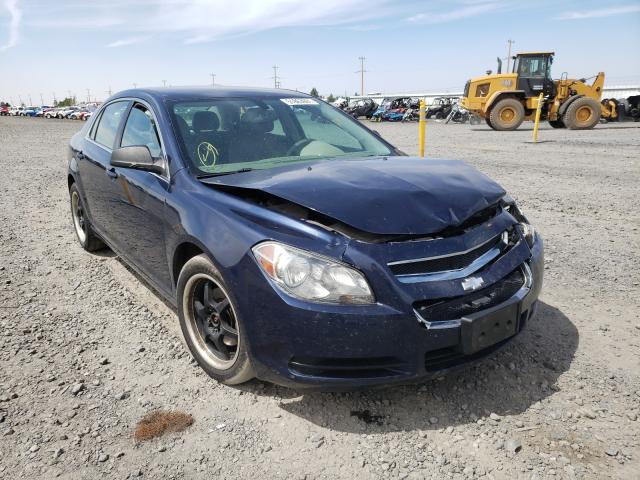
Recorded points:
(65,112)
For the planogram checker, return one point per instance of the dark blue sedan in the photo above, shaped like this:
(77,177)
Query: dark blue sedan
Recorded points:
(297,245)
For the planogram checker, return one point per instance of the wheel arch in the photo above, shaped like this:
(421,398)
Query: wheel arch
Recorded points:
(563,108)
(185,251)
(497,96)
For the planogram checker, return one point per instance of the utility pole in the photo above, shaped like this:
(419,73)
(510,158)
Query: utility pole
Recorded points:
(135,85)
(361,72)
(88,96)
(276,78)
(41,100)
(213,79)
(54,99)
(164,83)
(510,42)
(109,91)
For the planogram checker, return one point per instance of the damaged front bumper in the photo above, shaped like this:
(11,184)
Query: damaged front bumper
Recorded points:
(407,336)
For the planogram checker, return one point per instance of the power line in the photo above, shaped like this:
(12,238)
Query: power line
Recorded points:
(276,78)
(361,72)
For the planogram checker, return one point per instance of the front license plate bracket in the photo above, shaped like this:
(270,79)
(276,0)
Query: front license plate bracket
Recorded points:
(487,329)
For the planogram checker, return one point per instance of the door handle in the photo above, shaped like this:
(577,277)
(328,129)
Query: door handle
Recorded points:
(112,172)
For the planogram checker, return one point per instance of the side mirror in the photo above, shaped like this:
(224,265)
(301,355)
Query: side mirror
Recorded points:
(138,157)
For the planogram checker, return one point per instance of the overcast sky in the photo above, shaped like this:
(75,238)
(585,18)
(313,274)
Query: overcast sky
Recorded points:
(63,46)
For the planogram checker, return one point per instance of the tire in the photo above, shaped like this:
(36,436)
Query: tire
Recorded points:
(582,114)
(557,123)
(474,120)
(439,116)
(507,114)
(208,319)
(488,122)
(84,233)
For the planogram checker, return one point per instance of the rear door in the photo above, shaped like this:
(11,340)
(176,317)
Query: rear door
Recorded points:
(95,170)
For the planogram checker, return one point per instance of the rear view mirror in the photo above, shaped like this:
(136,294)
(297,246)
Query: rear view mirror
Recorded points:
(135,157)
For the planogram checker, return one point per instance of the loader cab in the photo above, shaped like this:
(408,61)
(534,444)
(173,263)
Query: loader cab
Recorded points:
(534,73)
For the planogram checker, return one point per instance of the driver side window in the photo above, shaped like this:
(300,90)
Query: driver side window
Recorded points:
(141,130)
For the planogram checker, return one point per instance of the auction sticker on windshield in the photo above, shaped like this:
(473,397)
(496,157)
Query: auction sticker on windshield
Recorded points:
(299,101)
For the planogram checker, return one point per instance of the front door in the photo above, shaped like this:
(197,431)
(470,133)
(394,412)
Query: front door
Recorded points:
(139,200)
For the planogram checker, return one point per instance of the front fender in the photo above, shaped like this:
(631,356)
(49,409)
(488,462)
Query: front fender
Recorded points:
(496,96)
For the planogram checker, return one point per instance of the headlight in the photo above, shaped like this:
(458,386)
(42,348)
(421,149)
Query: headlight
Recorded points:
(311,277)
(528,231)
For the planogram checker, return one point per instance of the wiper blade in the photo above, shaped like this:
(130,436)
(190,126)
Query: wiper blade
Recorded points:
(219,174)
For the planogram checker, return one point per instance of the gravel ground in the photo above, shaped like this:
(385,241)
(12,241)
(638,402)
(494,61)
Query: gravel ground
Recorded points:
(86,349)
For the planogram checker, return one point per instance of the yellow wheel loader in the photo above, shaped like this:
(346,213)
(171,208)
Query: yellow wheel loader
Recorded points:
(505,100)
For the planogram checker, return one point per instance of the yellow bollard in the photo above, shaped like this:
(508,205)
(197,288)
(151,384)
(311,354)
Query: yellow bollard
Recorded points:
(421,128)
(537,121)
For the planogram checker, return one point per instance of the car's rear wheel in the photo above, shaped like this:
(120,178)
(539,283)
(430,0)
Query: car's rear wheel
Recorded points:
(84,233)
(210,323)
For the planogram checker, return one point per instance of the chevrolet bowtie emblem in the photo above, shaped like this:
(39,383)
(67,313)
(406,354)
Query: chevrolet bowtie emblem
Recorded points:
(472,283)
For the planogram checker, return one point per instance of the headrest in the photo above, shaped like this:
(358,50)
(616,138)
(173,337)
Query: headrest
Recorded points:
(182,126)
(205,121)
(258,120)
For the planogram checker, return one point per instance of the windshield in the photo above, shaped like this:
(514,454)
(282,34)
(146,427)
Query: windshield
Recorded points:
(228,135)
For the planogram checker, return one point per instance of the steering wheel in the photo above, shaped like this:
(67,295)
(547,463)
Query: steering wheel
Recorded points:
(297,147)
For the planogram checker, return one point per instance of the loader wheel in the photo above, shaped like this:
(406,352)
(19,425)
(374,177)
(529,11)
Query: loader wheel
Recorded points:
(557,123)
(507,114)
(582,114)
(488,122)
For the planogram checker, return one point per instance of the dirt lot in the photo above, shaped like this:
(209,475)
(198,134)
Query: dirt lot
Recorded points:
(86,350)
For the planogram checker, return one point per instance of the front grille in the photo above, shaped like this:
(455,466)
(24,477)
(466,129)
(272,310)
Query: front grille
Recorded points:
(454,308)
(371,367)
(443,264)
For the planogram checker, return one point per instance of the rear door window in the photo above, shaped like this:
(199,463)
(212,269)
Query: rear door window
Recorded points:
(109,122)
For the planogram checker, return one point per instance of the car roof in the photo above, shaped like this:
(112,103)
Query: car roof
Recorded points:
(202,93)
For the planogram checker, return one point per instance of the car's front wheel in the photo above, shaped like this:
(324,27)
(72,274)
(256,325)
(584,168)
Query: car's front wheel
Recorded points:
(210,323)
(84,233)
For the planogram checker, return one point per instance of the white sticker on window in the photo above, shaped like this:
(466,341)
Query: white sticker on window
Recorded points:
(299,101)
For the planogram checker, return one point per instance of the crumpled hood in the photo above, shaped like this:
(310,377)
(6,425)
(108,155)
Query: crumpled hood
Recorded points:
(382,195)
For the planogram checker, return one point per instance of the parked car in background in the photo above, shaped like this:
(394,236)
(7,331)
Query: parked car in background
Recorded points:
(441,107)
(391,104)
(29,112)
(362,108)
(5,110)
(302,249)
(64,112)
(77,115)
